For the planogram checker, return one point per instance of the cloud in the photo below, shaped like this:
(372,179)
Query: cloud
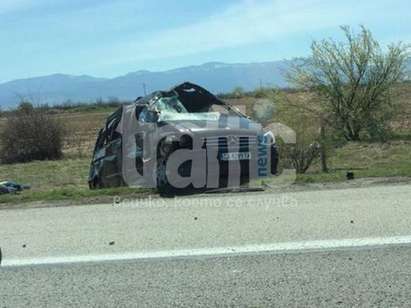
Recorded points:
(241,24)
(249,22)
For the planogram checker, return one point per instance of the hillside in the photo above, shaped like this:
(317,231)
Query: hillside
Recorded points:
(217,77)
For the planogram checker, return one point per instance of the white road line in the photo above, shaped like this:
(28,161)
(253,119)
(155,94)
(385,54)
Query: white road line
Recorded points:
(235,250)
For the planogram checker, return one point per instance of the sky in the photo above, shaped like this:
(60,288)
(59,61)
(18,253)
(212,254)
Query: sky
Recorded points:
(110,38)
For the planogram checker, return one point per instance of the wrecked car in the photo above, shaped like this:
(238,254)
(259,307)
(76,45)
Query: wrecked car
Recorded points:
(184,138)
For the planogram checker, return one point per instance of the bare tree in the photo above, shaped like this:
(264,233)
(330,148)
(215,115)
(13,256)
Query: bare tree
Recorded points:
(353,80)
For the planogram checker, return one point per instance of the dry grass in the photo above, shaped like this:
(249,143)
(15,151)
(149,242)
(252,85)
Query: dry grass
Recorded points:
(402,121)
(82,131)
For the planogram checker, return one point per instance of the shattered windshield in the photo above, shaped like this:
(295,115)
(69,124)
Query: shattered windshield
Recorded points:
(172,109)
(199,116)
(170,105)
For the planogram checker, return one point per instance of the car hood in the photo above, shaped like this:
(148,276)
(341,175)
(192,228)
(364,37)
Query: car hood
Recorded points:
(220,123)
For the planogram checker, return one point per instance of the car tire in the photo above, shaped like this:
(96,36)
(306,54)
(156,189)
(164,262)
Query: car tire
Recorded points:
(96,184)
(163,185)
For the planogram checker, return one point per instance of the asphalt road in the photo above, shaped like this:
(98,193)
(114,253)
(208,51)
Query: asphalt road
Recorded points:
(371,278)
(249,249)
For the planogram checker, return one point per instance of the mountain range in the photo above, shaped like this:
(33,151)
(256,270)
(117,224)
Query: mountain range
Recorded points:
(215,76)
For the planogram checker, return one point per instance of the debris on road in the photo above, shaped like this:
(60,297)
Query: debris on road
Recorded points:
(350,176)
(10,187)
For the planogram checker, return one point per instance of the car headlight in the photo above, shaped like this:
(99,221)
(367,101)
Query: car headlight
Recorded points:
(167,144)
(186,141)
(268,138)
(170,139)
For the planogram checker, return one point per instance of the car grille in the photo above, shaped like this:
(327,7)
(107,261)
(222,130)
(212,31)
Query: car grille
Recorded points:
(223,143)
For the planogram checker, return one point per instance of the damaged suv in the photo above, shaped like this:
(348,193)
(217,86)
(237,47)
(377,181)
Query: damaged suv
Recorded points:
(178,140)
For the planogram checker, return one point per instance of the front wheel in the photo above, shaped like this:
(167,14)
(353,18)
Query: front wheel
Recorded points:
(163,185)
(95,183)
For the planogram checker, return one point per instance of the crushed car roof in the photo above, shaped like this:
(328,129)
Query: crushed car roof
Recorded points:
(192,96)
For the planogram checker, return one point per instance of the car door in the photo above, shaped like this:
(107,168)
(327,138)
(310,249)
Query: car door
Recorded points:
(111,154)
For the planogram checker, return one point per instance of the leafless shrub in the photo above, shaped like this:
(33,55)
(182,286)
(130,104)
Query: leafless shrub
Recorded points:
(301,156)
(308,143)
(31,134)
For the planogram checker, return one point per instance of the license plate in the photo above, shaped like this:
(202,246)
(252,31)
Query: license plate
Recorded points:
(236,156)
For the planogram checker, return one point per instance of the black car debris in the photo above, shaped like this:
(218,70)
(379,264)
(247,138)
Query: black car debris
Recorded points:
(211,144)
(10,187)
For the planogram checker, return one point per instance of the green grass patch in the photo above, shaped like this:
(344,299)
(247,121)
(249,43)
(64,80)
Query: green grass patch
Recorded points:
(73,195)
(366,160)
(57,181)
(48,175)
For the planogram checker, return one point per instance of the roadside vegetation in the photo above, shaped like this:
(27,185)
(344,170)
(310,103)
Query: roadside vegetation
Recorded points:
(31,134)
(350,108)
(59,180)
(99,106)
(389,159)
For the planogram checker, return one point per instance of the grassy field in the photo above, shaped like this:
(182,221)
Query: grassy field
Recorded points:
(66,180)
